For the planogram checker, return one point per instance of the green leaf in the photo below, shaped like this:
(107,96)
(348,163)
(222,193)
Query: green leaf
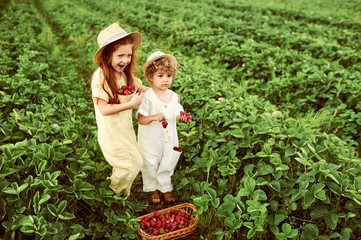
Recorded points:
(251,233)
(2,208)
(279,218)
(321,195)
(10,190)
(215,203)
(44,198)
(52,209)
(358,184)
(237,133)
(249,184)
(308,199)
(267,148)
(286,228)
(36,204)
(66,216)
(289,152)
(22,187)
(275,185)
(28,228)
(293,233)
(317,187)
(334,188)
(310,231)
(252,118)
(331,220)
(346,233)
(262,154)
(61,206)
(7,152)
(74,236)
(212,193)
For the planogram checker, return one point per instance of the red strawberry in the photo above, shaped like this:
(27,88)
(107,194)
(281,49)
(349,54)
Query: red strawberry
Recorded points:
(131,87)
(187,115)
(126,92)
(164,124)
(173,227)
(178,149)
(156,214)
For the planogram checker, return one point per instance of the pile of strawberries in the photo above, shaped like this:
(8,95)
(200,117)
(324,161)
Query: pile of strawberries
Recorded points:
(187,115)
(163,223)
(126,90)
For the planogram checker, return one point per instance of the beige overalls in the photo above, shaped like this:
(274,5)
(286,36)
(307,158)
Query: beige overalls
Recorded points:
(117,138)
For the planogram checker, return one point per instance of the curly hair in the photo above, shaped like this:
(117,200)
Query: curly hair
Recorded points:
(163,64)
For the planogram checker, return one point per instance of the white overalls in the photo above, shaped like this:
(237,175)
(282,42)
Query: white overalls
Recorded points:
(156,143)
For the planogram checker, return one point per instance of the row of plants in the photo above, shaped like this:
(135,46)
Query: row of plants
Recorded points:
(297,61)
(251,167)
(52,174)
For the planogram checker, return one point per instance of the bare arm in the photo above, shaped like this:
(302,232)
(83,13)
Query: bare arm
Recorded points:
(106,108)
(144,120)
(144,89)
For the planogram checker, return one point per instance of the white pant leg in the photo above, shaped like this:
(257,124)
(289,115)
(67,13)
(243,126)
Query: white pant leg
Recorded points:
(166,170)
(149,171)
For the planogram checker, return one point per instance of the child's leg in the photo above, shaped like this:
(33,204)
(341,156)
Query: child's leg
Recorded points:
(149,171)
(126,167)
(137,166)
(163,178)
(121,179)
(166,170)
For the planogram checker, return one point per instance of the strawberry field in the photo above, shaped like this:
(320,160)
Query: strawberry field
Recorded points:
(274,89)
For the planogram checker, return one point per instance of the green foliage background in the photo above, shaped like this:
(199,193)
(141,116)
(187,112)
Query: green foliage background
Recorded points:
(273,87)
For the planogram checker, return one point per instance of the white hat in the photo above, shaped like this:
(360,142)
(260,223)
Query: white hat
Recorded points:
(156,55)
(111,34)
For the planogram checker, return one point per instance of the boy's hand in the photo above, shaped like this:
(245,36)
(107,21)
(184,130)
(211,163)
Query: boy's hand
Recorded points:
(185,117)
(159,117)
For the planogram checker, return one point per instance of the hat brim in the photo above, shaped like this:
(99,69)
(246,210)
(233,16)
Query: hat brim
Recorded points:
(147,63)
(137,40)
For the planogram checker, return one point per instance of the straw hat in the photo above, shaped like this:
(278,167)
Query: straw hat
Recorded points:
(156,55)
(111,34)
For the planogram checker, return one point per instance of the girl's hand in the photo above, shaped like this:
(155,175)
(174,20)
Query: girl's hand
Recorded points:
(159,117)
(136,100)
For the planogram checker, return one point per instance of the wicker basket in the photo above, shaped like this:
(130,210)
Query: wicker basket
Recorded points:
(184,207)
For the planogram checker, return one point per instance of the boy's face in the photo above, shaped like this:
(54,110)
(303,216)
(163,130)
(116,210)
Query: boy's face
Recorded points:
(122,57)
(161,80)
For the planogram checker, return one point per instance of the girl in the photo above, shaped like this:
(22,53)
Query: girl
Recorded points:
(115,59)
(157,133)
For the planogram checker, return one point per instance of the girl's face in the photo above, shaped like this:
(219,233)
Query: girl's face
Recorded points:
(122,57)
(161,80)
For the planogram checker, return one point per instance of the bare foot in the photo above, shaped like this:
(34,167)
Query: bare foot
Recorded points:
(155,196)
(168,197)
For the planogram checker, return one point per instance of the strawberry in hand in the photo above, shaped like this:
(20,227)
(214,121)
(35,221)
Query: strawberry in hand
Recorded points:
(186,117)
